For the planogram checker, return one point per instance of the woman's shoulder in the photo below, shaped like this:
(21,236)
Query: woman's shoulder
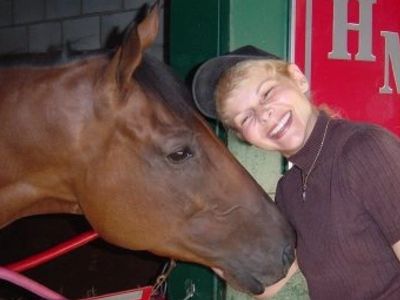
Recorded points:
(352,131)
(358,138)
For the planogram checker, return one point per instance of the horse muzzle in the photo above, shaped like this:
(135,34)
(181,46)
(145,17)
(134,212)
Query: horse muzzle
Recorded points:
(250,278)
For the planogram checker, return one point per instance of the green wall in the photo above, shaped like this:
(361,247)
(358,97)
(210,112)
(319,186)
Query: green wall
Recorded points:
(261,23)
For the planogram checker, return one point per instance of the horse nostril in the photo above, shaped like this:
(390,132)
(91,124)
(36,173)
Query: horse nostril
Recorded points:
(287,257)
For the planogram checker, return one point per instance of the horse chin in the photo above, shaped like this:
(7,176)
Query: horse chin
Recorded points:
(249,285)
(247,282)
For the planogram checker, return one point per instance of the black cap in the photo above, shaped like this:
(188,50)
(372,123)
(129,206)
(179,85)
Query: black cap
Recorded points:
(206,77)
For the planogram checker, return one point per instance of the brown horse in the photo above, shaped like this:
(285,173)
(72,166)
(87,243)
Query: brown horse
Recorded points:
(113,137)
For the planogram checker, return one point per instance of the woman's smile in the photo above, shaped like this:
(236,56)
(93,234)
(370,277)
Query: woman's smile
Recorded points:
(281,127)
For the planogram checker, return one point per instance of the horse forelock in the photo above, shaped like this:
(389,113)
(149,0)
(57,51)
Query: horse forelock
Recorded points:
(158,78)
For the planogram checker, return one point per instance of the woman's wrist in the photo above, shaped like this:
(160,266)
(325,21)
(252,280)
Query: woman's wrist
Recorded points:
(276,287)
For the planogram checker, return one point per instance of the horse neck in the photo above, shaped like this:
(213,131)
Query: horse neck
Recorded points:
(43,113)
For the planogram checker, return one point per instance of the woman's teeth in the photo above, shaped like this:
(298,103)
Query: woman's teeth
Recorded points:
(281,124)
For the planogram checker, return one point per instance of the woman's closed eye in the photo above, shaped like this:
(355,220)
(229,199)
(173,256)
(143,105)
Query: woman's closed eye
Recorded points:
(245,120)
(266,95)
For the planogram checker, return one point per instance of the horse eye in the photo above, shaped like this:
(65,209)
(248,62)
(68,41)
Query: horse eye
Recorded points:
(180,155)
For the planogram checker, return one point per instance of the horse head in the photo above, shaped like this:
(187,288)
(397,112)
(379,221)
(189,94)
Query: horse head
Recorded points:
(142,165)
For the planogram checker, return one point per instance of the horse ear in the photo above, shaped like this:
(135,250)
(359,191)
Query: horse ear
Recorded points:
(129,55)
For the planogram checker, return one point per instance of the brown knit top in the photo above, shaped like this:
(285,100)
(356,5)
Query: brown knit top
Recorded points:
(351,215)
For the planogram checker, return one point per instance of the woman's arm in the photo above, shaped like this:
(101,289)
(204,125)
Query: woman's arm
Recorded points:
(273,289)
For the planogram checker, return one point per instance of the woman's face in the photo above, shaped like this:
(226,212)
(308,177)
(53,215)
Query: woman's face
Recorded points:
(272,112)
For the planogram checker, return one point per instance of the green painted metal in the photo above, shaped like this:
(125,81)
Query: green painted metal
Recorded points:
(206,285)
(198,31)
(262,23)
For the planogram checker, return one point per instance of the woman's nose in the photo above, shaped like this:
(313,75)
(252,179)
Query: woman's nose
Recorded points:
(264,114)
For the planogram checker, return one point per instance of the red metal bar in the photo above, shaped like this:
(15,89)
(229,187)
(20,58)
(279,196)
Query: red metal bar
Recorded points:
(49,254)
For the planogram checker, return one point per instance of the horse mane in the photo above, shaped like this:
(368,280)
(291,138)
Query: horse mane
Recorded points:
(158,77)
(48,59)
(152,74)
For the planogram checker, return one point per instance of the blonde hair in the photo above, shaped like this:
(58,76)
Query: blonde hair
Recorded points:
(232,78)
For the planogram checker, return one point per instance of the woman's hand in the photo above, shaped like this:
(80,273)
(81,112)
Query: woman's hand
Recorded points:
(396,249)
(276,287)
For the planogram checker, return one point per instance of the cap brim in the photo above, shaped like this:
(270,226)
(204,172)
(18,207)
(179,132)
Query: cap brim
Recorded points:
(206,78)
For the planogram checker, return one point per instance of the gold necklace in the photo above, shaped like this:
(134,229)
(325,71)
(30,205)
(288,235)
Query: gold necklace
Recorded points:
(305,178)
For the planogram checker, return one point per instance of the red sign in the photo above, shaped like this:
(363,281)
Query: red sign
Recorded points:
(350,51)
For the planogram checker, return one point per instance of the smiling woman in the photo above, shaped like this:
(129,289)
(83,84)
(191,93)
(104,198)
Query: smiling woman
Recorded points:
(332,194)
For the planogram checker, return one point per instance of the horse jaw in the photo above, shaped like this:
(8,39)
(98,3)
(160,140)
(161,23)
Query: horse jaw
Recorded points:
(23,199)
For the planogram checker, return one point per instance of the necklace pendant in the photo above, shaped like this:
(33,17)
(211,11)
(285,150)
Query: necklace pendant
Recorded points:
(303,194)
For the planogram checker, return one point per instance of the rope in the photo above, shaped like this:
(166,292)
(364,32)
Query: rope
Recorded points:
(29,285)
